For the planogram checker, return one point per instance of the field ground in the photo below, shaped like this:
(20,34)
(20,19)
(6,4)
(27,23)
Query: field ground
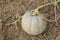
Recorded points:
(10,10)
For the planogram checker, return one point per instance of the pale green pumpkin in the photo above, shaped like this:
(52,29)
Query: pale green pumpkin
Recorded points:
(33,24)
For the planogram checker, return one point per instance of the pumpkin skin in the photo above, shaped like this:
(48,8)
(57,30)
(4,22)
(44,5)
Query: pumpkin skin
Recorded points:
(33,24)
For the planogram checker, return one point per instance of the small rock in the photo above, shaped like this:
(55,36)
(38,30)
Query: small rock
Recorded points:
(0,24)
(58,37)
(1,33)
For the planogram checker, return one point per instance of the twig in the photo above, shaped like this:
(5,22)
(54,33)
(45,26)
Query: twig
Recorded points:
(49,20)
(37,9)
(55,4)
(55,15)
(17,20)
(58,7)
(58,17)
(16,26)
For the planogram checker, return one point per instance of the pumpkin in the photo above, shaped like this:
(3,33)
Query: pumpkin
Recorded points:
(33,24)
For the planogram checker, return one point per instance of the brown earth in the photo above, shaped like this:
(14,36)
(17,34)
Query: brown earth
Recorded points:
(10,10)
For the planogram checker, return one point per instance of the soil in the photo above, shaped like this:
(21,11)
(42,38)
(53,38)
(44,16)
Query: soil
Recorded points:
(10,10)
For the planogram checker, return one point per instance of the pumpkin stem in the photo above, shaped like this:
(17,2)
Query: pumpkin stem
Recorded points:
(35,13)
(38,8)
